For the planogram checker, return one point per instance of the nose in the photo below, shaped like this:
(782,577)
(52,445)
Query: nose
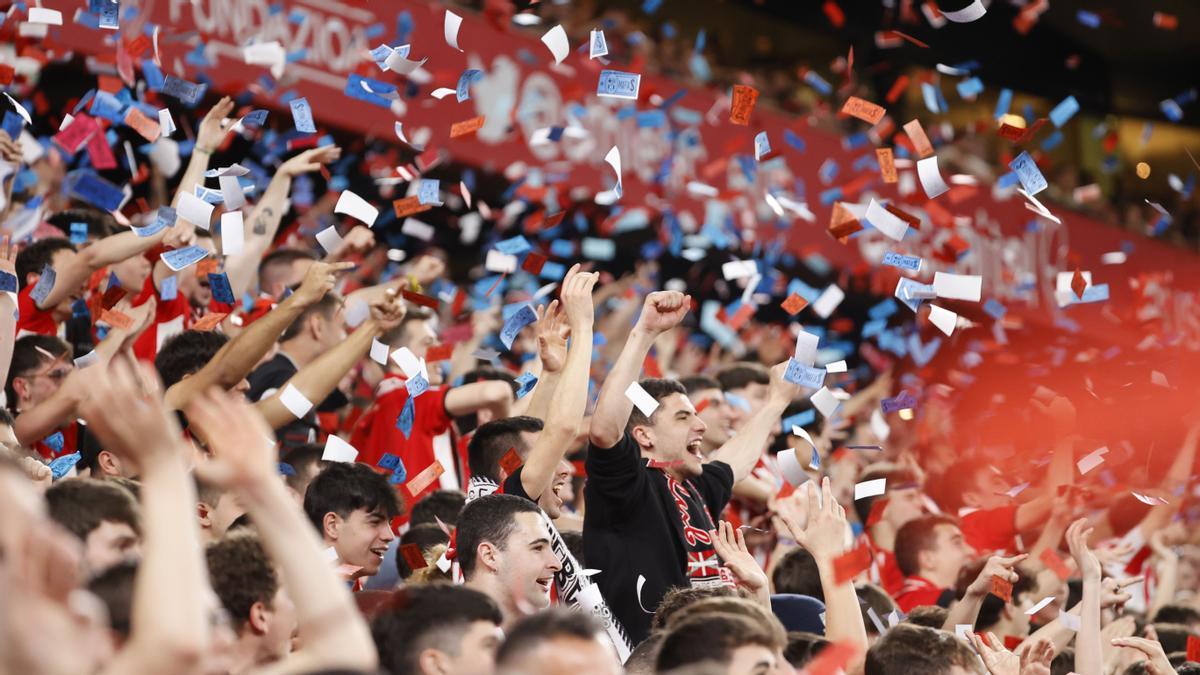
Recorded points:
(385,532)
(700,426)
(552,562)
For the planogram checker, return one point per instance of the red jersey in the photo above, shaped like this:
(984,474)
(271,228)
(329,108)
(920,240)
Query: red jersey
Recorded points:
(883,571)
(919,591)
(32,319)
(991,529)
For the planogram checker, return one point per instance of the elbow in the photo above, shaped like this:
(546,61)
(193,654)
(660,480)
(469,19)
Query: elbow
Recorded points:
(497,394)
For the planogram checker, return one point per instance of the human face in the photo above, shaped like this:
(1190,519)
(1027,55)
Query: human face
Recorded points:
(44,382)
(989,492)
(195,288)
(755,395)
(362,539)
(222,514)
(570,655)
(902,506)
(280,628)
(949,555)
(675,435)
(109,544)
(332,331)
(751,660)
(526,564)
(477,653)
(419,337)
(552,500)
(717,414)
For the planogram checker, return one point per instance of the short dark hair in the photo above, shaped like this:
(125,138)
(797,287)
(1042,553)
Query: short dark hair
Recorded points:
(428,616)
(992,606)
(697,383)
(915,537)
(710,637)
(301,458)
(38,255)
(743,374)
(537,628)
(641,659)
(658,388)
(28,356)
(493,440)
(897,479)
(444,505)
(241,574)
(950,485)
(492,519)
(99,223)
(343,488)
(396,335)
(803,647)
(1064,662)
(873,597)
(327,307)
(426,536)
(930,616)
(281,257)
(797,573)
(468,422)
(80,505)
(114,588)
(916,649)
(186,353)
(6,417)
(679,597)
(1177,613)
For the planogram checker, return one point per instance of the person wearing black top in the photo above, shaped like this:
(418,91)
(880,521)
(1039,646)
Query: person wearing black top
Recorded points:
(651,500)
(318,329)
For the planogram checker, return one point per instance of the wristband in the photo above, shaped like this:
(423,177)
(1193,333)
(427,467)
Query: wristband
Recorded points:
(200,148)
(8,282)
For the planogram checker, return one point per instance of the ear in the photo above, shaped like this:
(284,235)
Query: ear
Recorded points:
(259,620)
(204,513)
(644,437)
(1008,611)
(971,499)
(489,555)
(31,278)
(432,662)
(316,325)
(331,524)
(20,387)
(108,463)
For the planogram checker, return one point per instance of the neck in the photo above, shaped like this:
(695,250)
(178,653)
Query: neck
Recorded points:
(883,535)
(301,352)
(938,580)
(244,656)
(490,585)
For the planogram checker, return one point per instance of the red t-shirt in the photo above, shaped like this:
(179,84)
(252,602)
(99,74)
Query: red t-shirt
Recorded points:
(991,529)
(884,570)
(918,591)
(175,312)
(377,433)
(32,319)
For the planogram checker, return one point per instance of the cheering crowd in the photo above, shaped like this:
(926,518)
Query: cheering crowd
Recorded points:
(282,442)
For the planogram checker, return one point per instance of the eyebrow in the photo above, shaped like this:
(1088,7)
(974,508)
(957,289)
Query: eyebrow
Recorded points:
(540,540)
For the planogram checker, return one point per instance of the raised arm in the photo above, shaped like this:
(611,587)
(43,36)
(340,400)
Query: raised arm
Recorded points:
(661,311)
(1087,642)
(1060,414)
(462,361)
(334,634)
(147,435)
(570,397)
(8,307)
(966,610)
(208,137)
(319,378)
(238,357)
(425,270)
(742,451)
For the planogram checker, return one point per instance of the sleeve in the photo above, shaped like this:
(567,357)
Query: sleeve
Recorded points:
(512,485)
(616,474)
(32,319)
(990,529)
(266,380)
(716,486)
(430,409)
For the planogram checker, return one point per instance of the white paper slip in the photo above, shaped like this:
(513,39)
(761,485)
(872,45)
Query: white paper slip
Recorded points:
(451,26)
(194,210)
(356,207)
(500,263)
(233,232)
(337,450)
(885,221)
(231,192)
(869,488)
(294,401)
(641,398)
(793,473)
(944,319)
(967,14)
(829,301)
(439,93)
(166,123)
(806,348)
(50,17)
(270,54)
(1091,461)
(963,631)
(836,367)
(738,269)
(408,362)
(879,425)
(1044,601)
(958,286)
(931,177)
(329,239)
(379,351)
(416,228)
(555,40)
(825,402)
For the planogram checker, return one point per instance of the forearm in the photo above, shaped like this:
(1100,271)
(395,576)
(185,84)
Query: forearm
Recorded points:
(42,420)
(613,406)
(1087,643)
(1168,581)
(753,489)
(8,329)
(264,220)
(537,404)
(193,175)
(616,326)
(318,379)
(463,360)
(563,418)
(965,611)
(1056,632)
(843,618)
(742,451)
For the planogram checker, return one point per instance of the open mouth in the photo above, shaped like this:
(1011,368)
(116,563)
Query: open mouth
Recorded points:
(545,584)
(380,552)
(694,448)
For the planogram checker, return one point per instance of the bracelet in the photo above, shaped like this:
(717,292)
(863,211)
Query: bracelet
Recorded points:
(200,148)
(8,281)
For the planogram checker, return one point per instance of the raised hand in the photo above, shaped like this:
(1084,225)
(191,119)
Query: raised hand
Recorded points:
(144,430)
(577,296)
(310,160)
(360,238)
(1061,413)
(319,280)
(1113,593)
(8,256)
(427,269)
(663,310)
(552,333)
(824,535)
(214,125)
(1156,659)
(1036,656)
(181,234)
(730,544)
(389,310)
(10,149)
(781,390)
(996,566)
(241,446)
(999,661)
(1085,560)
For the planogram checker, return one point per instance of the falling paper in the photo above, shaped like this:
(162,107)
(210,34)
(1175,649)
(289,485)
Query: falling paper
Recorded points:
(829,301)
(641,398)
(356,207)
(611,196)
(231,192)
(451,26)
(944,319)
(555,40)
(825,401)
(789,466)
(233,233)
(1044,601)
(1091,461)
(958,286)
(967,14)
(870,488)
(338,450)
(329,239)
(195,210)
(598,45)
(931,177)
(885,221)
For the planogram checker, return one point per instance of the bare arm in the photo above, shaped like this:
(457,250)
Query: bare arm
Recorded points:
(966,611)
(1087,642)
(334,633)
(552,333)
(208,137)
(742,451)
(495,395)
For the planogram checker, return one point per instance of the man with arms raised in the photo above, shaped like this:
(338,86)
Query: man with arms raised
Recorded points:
(650,497)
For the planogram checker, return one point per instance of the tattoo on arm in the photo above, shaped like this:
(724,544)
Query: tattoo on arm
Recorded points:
(260,223)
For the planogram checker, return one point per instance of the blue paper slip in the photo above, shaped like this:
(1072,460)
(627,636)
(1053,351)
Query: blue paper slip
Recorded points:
(903,401)
(183,90)
(163,219)
(8,282)
(169,288)
(44,285)
(904,262)
(13,124)
(286,469)
(513,325)
(1027,172)
(525,383)
(218,282)
(427,191)
(405,421)
(255,118)
(388,461)
(61,466)
(514,246)
(798,373)
(302,116)
(800,419)
(399,474)
(184,257)
(598,46)
(86,185)
(994,309)
(55,441)
(79,233)
(618,84)
(417,385)
(1064,111)
(762,145)
(469,76)
(1003,103)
